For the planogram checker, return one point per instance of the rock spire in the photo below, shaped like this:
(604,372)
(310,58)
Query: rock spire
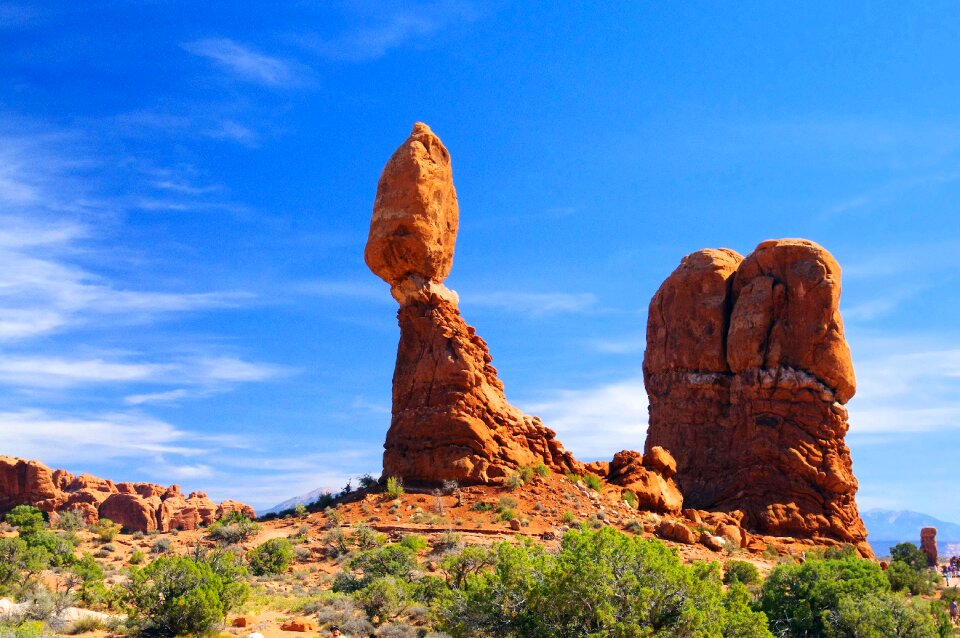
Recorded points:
(747,371)
(451,420)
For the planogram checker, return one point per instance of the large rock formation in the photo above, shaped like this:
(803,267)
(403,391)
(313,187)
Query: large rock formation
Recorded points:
(747,371)
(141,507)
(451,420)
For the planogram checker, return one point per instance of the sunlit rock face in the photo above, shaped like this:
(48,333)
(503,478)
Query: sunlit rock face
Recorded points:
(747,370)
(451,420)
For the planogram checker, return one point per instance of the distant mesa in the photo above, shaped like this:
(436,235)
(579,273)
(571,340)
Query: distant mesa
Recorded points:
(747,370)
(142,507)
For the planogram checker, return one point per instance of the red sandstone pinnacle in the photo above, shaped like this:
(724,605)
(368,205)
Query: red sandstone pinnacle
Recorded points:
(747,369)
(928,543)
(451,420)
(141,507)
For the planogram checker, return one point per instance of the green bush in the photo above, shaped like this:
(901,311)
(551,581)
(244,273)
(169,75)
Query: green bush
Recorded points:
(177,596)
(106,530)
(92,590)
(885,614)
(593,482)
(630,499)
(232,529)
(394,487)
(272,557)
(160,546)
(909,554)
(59,548)
(908,570)
(384,598)
(26,519)
(740,571)
(366,538)
(414,542)
(20,565)
(798,598)
(540,469)
(601,583)
(71,521)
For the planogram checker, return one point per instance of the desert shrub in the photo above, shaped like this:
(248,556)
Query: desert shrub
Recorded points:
(160,546)
(908,570)
(740,571)
(21,629)
(91,588)
(177,595)
(137,535)
(26,519)
(593,482)
(106,530)
(481,506)
(384,598)
(506,514)
(448,541)
(20,564)
(232,529)
(300,510)
(630,499)
(568,517)
(540,469)
(272,557)
(394,487)
(885,614)
(366,481)
(136,557)
(85,624)
(601,583)
(514,481)
(526,473)
(366,538)
(414,542)
(71,521)
(334,542)
(635,526)
(909,554)
(389,560)
(798,598)
(59,548)
(396,630)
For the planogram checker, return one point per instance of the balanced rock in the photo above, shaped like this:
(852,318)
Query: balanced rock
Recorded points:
(143,507)
(451,419)
(747,371)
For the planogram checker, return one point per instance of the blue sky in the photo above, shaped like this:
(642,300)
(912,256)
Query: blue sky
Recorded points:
(185,193)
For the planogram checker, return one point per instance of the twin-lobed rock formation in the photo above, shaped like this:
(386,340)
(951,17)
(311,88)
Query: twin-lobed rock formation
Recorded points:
(141,507)
(747,371)
(451,420)
(746,367)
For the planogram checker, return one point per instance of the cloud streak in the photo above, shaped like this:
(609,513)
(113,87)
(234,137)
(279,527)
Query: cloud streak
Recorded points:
(244,62)
(415,23)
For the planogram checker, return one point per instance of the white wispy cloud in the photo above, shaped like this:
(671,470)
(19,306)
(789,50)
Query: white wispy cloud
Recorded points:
(61,439)
(244,62)
(386,29)
(904,388)
(597,422)
(211,373)
(534,304)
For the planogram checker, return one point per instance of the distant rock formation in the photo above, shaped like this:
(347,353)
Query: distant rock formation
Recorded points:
(143,507)
(451,420)
(928,543)
(747,371)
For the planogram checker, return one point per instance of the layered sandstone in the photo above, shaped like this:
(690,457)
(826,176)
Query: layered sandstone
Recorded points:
(747,371)
(928,543)
(451,419)
(141,507)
